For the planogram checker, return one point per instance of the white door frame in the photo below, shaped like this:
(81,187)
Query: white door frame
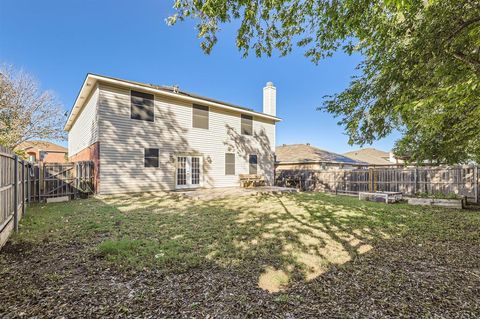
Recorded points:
(189,164)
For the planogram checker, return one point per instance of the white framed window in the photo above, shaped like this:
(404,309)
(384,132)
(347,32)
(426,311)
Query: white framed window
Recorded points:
(151,157)
(229,164)
(142,106)
(200,116)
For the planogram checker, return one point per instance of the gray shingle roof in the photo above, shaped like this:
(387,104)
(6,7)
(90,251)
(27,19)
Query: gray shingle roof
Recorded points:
(302,153)
(370,155)
(172,89)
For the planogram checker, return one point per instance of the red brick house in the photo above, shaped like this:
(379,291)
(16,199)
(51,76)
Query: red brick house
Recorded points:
(44,152)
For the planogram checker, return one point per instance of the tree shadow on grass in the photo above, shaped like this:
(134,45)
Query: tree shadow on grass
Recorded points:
(160,255)
(280,238)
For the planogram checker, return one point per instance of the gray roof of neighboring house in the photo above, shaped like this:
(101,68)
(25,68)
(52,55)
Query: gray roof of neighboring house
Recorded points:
(370,155)
(305,153)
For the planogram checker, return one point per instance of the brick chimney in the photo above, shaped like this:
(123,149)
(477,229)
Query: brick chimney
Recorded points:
(270,99)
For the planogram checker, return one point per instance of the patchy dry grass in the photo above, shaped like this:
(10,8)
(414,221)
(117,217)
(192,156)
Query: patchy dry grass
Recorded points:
(276,244)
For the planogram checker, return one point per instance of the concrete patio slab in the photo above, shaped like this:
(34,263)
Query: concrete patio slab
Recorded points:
(216,193)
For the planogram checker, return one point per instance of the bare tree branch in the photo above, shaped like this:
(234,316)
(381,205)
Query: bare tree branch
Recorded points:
(26,112)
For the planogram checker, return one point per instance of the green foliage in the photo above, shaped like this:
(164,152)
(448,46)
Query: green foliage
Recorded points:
(420,72)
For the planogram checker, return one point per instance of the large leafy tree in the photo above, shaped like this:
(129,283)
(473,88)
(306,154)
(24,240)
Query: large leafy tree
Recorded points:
(420,72)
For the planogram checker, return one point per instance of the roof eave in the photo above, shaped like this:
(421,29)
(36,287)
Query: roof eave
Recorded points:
(91,79)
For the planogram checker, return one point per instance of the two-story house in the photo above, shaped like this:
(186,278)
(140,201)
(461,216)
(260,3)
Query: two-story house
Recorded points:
(144,137)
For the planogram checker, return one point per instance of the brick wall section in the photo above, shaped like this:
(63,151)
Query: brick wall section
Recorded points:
(49,157)
(55,158)
(91,153)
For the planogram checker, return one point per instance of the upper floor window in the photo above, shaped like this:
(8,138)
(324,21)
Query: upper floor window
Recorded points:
(247,125)
(151,157)
(142,106)
(200,116)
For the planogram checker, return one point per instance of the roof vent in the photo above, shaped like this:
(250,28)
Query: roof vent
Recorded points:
(176,89)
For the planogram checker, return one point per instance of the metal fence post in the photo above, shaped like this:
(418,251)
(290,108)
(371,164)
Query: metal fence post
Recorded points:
(15,193)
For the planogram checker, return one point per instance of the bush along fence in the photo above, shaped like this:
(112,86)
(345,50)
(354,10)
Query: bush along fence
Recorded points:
(23,182)
(462,181)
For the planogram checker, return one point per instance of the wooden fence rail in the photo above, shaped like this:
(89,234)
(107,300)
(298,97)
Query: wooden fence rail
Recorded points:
(23,182)
(411,181)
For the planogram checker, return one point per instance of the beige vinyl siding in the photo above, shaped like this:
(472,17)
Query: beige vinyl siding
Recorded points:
(84,131)
(123,140)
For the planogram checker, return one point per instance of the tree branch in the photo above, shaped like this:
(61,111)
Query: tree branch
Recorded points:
(464,25)
(473,64)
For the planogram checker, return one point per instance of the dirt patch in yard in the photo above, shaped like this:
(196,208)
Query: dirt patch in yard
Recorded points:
(299,256)
(430,280)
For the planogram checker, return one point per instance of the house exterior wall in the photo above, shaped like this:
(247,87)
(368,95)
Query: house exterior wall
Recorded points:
(49,156)
(123,141)
(84,131)
(309,166)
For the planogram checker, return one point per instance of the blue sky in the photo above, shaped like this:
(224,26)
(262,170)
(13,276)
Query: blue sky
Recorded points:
(60,41)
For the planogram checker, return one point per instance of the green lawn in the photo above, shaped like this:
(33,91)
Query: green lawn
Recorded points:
(274,245)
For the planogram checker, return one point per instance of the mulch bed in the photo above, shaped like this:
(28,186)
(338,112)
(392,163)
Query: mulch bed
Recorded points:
(395,279)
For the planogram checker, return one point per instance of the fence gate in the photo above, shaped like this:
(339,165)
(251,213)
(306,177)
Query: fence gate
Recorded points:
(57,180)
(23,182)
(65,179)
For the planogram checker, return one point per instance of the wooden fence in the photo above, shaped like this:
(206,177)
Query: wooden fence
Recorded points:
(23,182)
(12,193)
(411,181)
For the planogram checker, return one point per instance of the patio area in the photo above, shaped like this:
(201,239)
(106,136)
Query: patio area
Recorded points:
(218,193)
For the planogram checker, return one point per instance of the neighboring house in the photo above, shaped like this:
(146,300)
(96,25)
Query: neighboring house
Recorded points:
(144,137)
(43,151)
(374,157)
(307,157)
